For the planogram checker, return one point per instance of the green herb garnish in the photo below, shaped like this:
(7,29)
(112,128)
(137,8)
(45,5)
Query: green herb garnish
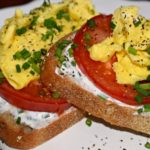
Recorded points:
(63,14)
(140,110)
(1,74)
(24,54)
(55,95)
(32,72)
(49,33)
(34,21)
(112,25)
(88,122)
(21,31)
(36,68)
(91,23)
(147,145)
(73,63)
(139,98)
(87,37)
(140,89)
(26,66)
(18,68)
(60,47)
(147,108)
(18,121)
(51,24)
(148,50)
(70,52)
(145,86)
(1,77)
(73,46)
(132,50)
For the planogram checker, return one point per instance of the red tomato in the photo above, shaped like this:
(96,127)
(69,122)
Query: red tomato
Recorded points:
(31,98)
(101,74)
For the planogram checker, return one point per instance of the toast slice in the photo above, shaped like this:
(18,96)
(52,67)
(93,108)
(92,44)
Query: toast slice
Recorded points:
(22,136)
(122,116)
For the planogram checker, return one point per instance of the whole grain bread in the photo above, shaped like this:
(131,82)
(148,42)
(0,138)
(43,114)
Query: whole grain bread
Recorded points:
(21,136)
(76,95)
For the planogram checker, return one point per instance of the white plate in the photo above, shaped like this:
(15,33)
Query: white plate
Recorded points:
(99,136)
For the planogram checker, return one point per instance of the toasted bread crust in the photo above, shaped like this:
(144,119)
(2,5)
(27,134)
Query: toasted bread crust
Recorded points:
(107,110)
(23,137)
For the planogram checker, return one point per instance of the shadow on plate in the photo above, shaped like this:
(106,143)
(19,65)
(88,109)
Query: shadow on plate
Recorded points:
(98,120)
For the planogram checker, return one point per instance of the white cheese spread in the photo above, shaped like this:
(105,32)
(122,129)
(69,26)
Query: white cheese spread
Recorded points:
(75,74)
(33,119)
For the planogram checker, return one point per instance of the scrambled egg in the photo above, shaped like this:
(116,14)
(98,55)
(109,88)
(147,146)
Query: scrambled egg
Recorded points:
(130,41)
(25,34)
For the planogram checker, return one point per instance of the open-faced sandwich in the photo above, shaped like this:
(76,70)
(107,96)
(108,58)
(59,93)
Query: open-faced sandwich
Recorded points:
(106,68)
(29,114)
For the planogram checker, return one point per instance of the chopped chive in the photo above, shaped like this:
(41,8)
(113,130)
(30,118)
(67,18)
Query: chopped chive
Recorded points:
(60,46)
(70,52)
(18,68)
(1,74)
(37,54)
(58,52)
(1,77)
(91,23)
(142,91)
(34,21)
(26,66)
(87,37)
(62,59)
(137,22)
(148,78)
(63,44)
(17,55)
(25,54)
(87,47)
(49,33)
(55,95)
(139,98)
(132,50)
(21,31)
(73,63)
(18,121)
(148,50)
(147,108)
(32,72)
(1,80)
(36,68)
(140,110)
(73,46)
(63,14)
(145,86)
(147,145)
(88,122)
(51,24)
(112,25)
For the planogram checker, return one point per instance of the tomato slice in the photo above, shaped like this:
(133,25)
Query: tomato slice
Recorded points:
(31,98)
(102,74)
